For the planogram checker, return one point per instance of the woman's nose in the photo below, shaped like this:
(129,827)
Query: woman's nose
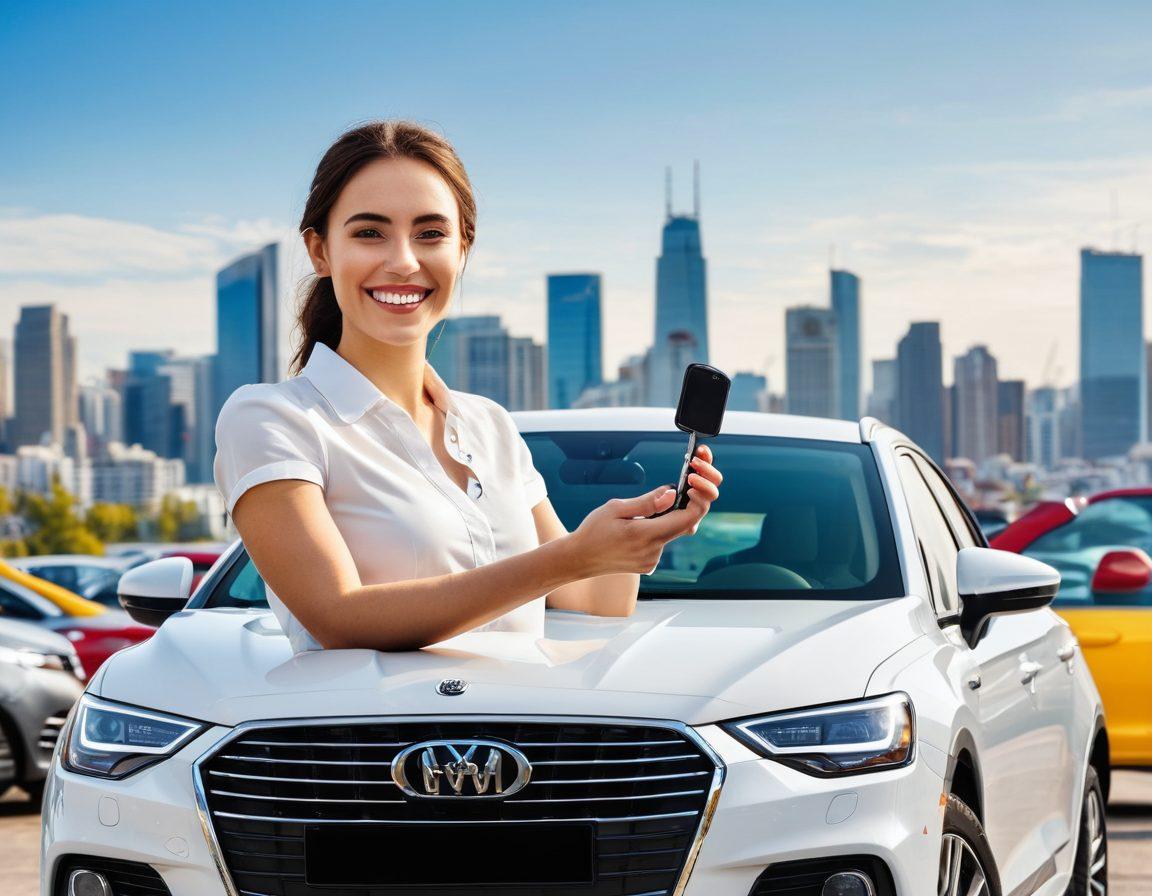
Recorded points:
(401,260)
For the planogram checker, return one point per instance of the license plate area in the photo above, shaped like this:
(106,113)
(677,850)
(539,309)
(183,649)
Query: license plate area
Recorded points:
(505,854)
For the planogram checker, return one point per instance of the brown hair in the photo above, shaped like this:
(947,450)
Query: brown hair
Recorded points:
(319,318)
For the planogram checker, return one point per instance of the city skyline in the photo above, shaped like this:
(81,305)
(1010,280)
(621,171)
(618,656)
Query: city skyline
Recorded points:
(967,194)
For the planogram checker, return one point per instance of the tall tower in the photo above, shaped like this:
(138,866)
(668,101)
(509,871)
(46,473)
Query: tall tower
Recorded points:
(813,369)
(1113,375)
(920,388)
(247,298)
(846,304)
(574,336)
(976,424)
(46,394)
(681,329)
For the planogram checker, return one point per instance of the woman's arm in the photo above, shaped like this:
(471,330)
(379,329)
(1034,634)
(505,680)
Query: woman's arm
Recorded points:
(614,594)
(298,550)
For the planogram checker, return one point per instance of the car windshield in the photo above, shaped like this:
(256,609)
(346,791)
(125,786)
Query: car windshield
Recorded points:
(797,518)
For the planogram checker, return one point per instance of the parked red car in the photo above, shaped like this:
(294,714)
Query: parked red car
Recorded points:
(95,637)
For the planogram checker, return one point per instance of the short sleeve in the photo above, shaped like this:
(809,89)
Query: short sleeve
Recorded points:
(262,436)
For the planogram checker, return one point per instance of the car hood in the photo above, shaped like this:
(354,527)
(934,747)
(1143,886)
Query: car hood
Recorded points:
(693,661)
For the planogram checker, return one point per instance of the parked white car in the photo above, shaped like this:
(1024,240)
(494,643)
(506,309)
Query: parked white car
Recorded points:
(834,688)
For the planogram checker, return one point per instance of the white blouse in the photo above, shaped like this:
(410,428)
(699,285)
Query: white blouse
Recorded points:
(401,514)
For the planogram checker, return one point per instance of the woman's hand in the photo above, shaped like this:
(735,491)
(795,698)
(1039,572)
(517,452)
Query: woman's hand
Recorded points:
(618,537)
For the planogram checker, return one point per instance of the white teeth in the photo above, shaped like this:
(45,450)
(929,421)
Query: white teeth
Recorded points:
(396,298)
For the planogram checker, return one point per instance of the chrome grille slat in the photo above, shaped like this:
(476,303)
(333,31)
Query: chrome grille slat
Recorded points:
(648,821)
(301,799)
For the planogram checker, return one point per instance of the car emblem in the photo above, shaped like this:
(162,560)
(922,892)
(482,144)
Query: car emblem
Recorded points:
(461,769)
(452,687)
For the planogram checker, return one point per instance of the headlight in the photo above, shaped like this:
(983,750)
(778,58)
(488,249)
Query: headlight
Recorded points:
(34,659)
(861,736)
(111,740)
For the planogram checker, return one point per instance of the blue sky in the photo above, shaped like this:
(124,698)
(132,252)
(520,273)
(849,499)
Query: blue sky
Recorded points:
(956,157)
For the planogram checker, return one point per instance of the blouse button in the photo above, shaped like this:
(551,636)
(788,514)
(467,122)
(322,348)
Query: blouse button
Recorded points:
(469,456)
(452,438)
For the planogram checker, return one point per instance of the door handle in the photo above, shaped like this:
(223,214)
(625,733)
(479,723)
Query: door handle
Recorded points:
(1028,672)
(1067,652)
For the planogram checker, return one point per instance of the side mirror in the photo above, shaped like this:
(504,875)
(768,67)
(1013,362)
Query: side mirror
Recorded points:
(1122,572)
(155,590)
(999,583)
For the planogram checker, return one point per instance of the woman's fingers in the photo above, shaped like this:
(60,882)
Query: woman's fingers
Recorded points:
(705,469)
(706,488)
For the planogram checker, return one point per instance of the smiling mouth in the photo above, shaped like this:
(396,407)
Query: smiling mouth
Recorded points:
(384,297)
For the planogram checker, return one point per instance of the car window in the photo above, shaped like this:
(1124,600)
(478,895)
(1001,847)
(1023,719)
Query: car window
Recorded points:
(1116,522)
(796,518)
(64,576)
(937,545)
(955,515)
(1076,548)
(18,602)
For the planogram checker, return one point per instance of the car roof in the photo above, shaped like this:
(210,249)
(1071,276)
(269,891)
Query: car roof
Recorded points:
(68,560)
(632,419)
(1136,492)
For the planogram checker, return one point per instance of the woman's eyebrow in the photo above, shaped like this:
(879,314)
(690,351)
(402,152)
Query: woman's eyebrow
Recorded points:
(384,219)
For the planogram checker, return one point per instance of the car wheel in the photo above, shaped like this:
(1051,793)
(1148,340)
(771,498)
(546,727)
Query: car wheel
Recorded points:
(966,864)
(1090,868)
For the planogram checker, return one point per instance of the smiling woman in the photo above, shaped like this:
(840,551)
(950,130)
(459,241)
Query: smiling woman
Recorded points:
(382,508)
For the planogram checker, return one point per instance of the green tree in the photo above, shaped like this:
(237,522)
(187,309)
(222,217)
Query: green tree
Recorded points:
(178,520)
(112,522)
(57,528)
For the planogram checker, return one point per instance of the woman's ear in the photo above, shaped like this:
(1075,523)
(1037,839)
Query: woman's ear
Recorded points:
(316,252)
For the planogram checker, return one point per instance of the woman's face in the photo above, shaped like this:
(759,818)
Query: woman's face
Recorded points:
(393,235)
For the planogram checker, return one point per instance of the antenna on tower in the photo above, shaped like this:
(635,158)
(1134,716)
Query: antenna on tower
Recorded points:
(668,191)
(696,188)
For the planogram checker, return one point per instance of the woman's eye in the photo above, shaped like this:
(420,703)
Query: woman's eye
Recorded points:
(367,230)
(437,232)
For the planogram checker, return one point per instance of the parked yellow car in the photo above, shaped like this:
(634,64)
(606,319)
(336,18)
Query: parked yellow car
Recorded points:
(1101,547)
(71,604)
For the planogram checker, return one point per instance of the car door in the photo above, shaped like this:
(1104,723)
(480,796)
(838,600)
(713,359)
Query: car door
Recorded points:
(1024,652)
(1006,713)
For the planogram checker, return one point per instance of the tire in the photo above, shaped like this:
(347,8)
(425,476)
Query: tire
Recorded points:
(966,863)
(1090,867)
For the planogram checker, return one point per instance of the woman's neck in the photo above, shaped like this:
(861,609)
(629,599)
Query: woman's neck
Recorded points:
(396,370)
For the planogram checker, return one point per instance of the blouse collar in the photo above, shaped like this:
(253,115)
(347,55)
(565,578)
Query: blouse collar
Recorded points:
(351,394)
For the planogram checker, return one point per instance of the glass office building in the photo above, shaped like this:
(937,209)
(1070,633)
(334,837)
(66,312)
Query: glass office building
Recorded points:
(247,293)
(574,337)
(681,308)
(920,388)
(1113,374)
(846,304)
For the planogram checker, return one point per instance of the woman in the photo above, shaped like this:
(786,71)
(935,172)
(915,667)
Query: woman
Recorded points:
(382,509)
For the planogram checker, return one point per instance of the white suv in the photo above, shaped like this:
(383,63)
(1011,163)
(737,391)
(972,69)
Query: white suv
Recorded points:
(834,688)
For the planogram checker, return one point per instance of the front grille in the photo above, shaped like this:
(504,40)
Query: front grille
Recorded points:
(50,733)
(806,877)
(125,878)
(645,787)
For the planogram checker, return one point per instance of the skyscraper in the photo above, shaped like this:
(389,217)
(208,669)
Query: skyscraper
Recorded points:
(681,330)
(45,376)
(1113,375)
(1011,414)
(525,374)
(574,337)
(920,388)
(747,392)
(846,304)
(1045,406)
(247,298)
(813,371)
(882,400)
(976,418)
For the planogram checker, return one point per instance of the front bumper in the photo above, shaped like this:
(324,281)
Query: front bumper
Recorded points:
(766,813)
